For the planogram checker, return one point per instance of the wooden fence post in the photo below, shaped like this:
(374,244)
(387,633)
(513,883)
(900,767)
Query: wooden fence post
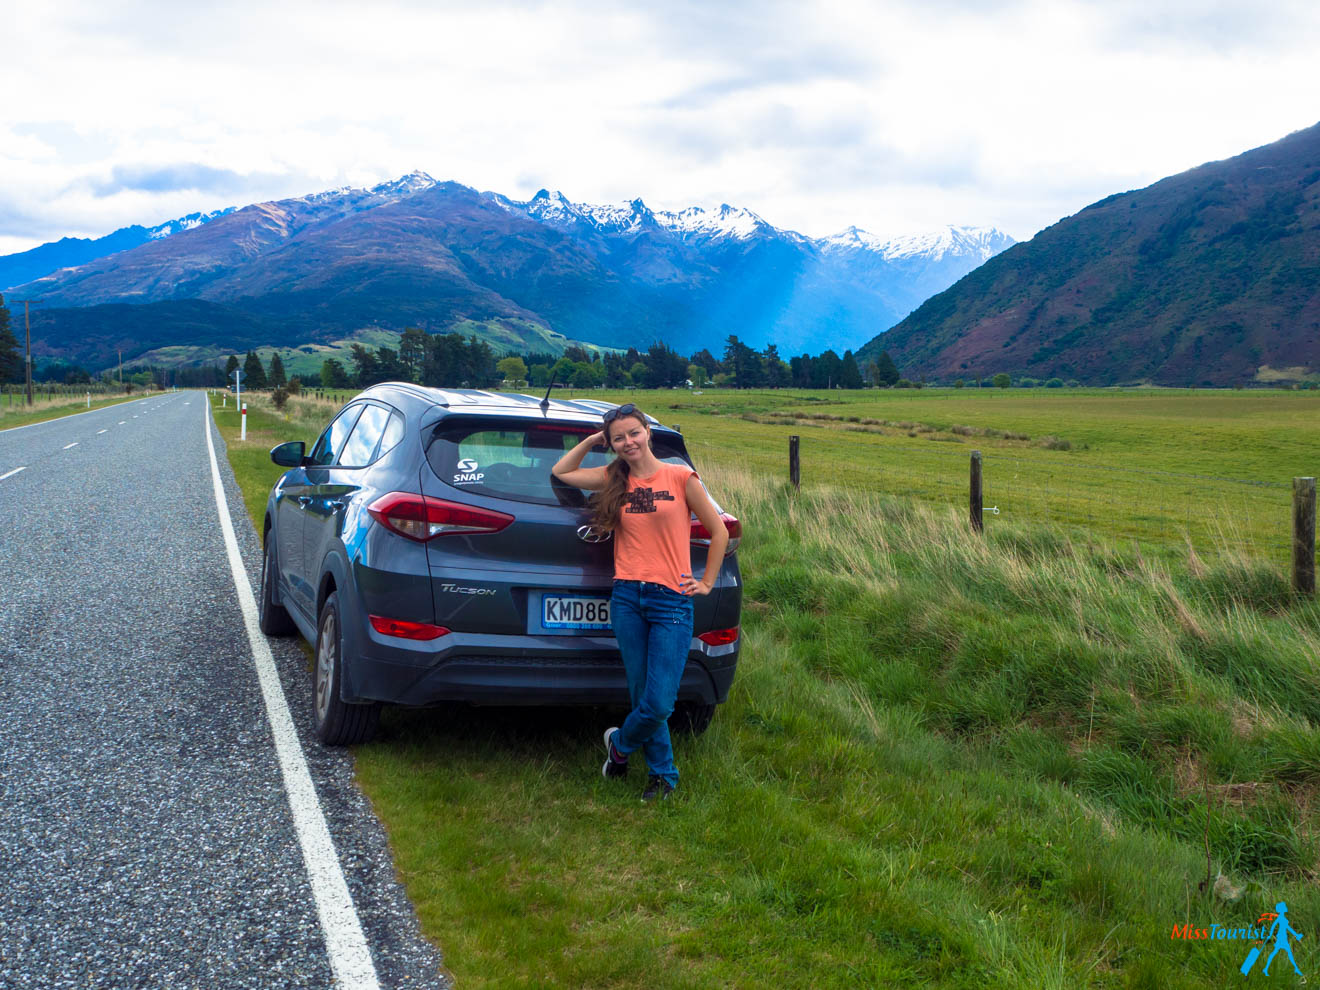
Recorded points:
(974,493)
(1303,549)
(794,467)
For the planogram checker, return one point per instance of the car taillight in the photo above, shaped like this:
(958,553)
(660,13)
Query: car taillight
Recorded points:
(407,630)
(422,518)
(719,637)
(701,535)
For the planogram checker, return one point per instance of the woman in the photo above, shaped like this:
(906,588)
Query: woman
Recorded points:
(647,505)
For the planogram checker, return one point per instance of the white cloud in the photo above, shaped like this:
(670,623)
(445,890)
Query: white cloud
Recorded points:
(892,117)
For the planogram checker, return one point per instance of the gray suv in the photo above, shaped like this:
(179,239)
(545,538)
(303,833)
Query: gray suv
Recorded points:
(427,551)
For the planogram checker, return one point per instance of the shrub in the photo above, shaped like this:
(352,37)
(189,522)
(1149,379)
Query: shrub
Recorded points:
(1054,383)
(1002,380)
(1055,443)
(902,383)
(280,396)
(959,383)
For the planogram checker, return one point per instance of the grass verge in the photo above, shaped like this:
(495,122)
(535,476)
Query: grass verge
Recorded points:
(44,409)
(1005,762)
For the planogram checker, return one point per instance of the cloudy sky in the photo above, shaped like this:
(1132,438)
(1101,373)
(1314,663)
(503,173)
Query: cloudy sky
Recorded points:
(894,116)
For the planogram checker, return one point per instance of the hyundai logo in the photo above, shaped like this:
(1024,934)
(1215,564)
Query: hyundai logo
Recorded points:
(590,534)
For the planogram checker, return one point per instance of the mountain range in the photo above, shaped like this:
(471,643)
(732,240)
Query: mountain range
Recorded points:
(69,252)
(1207,277)
(529,275)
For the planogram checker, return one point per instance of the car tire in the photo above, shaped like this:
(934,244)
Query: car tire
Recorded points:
(337,723)
(273,619)
(691,717)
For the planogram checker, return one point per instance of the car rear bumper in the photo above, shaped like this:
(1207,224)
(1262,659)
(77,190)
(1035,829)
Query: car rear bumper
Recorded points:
(513,670)
(545,680)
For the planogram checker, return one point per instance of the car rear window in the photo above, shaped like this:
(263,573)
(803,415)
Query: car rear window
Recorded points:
(513,460)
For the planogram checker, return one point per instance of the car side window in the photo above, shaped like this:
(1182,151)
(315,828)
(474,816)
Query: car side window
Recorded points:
(362,442)
(332,440)
(393,434)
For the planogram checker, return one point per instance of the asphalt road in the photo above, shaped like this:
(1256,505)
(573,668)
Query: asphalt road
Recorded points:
(146,836)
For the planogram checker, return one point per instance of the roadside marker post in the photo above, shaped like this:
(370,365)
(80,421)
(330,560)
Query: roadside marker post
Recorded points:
(89,400)
(1303,544)
(974,492)
(243,416)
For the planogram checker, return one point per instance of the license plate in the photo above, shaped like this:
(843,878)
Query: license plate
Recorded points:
(575,612)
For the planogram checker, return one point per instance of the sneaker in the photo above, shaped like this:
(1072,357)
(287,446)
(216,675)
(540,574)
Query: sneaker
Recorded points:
(657,789)
(616,764)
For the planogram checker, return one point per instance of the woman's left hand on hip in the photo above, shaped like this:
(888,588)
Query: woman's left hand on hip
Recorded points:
(691,586)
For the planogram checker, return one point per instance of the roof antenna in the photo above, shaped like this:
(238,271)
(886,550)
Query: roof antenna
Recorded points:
(545,403)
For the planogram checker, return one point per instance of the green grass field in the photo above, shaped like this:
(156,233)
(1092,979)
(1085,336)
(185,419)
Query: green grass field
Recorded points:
(1006,761)
(62,402)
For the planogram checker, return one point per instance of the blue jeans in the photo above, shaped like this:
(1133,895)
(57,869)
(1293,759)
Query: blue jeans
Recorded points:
(653,625)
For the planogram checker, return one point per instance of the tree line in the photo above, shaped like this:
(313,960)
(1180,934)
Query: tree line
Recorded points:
(452,361)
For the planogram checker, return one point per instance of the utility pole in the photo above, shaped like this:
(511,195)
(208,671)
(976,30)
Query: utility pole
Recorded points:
(27,323)
(121,370)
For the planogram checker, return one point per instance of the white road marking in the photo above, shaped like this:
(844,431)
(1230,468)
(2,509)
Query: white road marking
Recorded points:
(350,957)
(99,432)
(121,422)
(10,474)
(68,445)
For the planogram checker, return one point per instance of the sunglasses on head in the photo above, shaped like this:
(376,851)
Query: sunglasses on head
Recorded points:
(611,415)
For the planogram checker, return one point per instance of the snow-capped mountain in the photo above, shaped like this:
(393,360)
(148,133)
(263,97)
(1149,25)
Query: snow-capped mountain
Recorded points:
(554,208)
(417,252)
(979,243)
(15,269)
(191,222)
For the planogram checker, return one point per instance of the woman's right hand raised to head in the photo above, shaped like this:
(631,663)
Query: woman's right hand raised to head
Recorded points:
(596,439)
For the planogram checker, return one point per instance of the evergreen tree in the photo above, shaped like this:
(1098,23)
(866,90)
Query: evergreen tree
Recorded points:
(850,376)
(388,367)
(776,373)
(412,353)
(11,359)
(743,363)
(367,367)
(886,371)
(799,369)
(616,372)
(254,372)
(707,360)
(333,374)
(231,366)
(481,370)
(826,370)
(665,368)
(577,355)
(277,376)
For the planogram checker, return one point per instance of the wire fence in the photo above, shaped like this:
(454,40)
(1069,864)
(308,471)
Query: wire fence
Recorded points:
(14,398)
(1168,509)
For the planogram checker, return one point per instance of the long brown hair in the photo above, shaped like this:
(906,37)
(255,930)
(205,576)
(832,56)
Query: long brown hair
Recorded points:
(607,503)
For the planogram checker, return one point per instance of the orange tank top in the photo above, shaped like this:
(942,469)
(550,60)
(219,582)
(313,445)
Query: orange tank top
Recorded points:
(652,541)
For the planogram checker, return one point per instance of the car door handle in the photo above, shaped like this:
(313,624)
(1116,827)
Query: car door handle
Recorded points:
(304,500)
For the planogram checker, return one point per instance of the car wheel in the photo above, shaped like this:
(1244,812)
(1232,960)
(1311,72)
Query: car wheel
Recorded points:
(273,619)
(691,717)
(337,723)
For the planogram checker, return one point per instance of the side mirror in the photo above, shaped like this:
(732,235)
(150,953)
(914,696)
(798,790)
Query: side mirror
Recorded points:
(288,454)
